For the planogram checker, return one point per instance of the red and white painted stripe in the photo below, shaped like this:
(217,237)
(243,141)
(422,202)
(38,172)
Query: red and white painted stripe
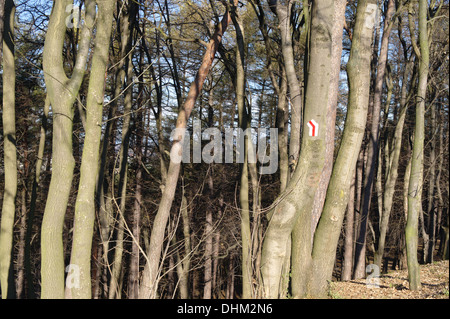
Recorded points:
(313,128)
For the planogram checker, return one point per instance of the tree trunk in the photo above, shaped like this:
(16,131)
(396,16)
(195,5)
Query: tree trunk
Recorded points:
(34,195)
(287,209)
(329,227)
(283,12)
(183,264)
(373,139)
(349,233)
(10,155)
(431,209)
(85,203)
(133,277)
(416,179)
(243,120)
(207,288)
(62,92)
(114,291)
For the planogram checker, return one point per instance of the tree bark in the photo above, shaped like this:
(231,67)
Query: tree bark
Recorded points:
(85,203)
(62,92)
(114,290)
(373,139)
(347,266)
(283,12)
(287,209)
(416,178)
(329,227)
(10,155)
(431,209)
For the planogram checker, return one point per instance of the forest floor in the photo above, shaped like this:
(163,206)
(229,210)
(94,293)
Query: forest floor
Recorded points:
(394,285)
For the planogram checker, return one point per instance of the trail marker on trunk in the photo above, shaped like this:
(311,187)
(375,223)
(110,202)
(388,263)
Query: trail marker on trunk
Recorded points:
(313,128)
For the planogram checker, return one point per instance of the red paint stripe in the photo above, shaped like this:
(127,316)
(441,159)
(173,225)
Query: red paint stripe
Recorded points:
(313,128)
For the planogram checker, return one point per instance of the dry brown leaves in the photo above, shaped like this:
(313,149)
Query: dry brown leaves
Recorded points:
(394,285)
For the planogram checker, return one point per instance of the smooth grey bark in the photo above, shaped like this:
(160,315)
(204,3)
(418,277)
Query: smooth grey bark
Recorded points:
(287,209)
(327,234)
(347,263)
(62,92)
(416,178)
(300,234)
(83,228)
(243,122)
(10,154)
(283,12)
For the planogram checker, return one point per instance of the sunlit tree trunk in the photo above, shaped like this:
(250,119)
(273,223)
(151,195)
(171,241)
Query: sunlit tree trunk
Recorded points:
(287,209)
(62,92)
(416,178)
(83,228)
(10,154)
(358,68)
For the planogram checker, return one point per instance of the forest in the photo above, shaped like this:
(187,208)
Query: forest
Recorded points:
(232,149)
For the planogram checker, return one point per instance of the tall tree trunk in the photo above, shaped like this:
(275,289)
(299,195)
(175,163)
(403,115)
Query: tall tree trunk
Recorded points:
(442,149)
(149,283)
(10,154)
(373,139)
(283,12)
(85,204)
(243,121)
(329,227)
(117,271)
(133,277)
(62,92)
(337,18)
(287,209)
(207,288)
(431,209)
(106,215)
(416,179)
